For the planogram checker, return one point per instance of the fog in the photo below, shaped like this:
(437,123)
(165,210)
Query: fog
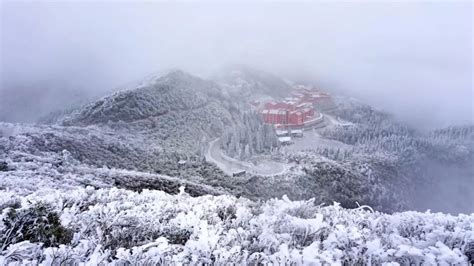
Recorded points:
(413,59)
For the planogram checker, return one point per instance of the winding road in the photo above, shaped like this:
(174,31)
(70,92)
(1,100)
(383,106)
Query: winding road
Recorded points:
(267,167)
(230,165)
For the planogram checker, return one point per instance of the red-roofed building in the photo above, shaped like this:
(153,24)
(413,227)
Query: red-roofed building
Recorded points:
(295,118)
(296,110)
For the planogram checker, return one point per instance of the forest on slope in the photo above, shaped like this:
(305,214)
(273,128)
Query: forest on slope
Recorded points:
(134,163)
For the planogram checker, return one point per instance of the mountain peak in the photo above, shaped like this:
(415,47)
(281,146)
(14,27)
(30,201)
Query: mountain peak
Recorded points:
(154,96)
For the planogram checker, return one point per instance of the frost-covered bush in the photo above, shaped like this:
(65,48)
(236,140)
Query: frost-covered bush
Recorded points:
(37,223)
(3,166)
(118,226)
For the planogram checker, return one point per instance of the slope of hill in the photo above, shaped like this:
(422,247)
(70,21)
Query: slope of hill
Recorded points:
(124,180)
(426,168)
(153,128)
(116,226)
(170,119)
(175,92)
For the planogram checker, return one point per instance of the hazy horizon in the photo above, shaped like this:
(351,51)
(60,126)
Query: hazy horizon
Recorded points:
(413,59)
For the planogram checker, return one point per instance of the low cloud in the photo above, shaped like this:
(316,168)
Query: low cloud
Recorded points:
(413,59)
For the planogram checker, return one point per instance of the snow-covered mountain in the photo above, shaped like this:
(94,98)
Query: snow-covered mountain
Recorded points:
(174,92)
(125,180)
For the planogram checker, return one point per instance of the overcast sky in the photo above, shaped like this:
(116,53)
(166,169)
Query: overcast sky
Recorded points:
(413,59)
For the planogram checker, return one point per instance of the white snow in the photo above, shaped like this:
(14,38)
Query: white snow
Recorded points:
(312,140)
(264,167)
(225,229)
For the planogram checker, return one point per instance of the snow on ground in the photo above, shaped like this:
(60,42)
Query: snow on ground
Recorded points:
(263,167)
(119,226)
(267,167)
(116,226)
(312,140)
(338,121)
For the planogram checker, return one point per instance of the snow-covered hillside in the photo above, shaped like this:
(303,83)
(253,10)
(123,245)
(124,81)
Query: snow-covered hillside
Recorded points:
(175,92)
(125,180)
(120,226)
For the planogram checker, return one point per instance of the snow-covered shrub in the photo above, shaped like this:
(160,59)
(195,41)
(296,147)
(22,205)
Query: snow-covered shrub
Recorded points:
(37,223)
(119,226)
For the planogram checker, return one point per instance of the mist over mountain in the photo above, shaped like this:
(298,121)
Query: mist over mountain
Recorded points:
(326,133)
(413,59)
(161,135)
